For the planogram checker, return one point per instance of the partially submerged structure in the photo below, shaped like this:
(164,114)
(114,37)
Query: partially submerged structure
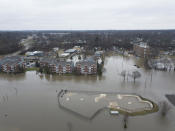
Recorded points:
(162,64)
(57,66)
(78,103)
(87,66)
(141,49)
(13,64)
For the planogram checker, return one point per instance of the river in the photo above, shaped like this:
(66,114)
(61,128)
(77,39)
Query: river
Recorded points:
(29,102)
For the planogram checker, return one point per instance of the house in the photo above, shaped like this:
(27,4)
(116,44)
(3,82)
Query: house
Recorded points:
(162,64)
(86,67)
(13,64)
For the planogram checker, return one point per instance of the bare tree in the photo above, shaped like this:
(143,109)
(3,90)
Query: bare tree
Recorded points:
(71,58)
(69,125)
(165,107)
(123,74)
(135,75)
(125,121)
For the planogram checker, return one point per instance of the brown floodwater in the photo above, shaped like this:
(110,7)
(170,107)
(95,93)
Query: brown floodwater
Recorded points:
(29,102)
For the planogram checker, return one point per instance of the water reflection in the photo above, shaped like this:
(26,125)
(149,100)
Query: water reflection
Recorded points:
(12,77)
(70,126)
(74,78)
(6,92)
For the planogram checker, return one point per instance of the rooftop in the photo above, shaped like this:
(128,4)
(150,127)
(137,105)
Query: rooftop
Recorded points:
(88,62)
(55,61)
(143,45)
(70,51)
(11,60)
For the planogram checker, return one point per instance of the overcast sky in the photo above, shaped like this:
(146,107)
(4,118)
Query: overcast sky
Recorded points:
(86,14)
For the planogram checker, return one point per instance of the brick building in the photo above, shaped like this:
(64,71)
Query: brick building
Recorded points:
(12,64)
(86,67)
(141,49)
(57,66)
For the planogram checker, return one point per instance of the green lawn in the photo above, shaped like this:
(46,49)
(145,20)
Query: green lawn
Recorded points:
(32,69)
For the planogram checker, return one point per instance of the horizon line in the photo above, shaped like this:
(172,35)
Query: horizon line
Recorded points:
(89,30)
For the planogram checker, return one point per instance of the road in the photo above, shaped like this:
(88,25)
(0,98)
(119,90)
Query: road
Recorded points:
(26,43)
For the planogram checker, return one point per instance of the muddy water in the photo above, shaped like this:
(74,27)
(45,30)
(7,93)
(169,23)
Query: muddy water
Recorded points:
(29,102)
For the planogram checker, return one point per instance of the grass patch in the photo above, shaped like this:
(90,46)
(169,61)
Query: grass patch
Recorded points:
(32,69)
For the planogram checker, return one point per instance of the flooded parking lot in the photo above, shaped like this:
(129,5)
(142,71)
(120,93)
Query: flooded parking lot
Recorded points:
(29,101)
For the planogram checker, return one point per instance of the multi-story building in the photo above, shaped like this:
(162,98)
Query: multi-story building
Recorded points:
(141,49)
(57,66)
(86,67)
(12,64)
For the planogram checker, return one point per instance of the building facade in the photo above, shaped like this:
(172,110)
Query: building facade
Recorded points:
(14,64)
(57,66)
(141,49)
(86,67)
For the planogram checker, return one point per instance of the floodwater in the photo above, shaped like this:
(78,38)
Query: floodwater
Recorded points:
(29,102)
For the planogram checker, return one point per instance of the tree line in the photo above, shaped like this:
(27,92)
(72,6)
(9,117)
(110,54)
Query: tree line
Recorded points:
(46,40)
(9,41)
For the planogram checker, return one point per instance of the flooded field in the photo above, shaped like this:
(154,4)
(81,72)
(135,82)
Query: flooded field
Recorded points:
(29,102)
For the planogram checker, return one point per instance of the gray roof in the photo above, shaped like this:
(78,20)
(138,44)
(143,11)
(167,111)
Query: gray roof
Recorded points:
(70,51)
(55,61)
(11,60)
(86,62)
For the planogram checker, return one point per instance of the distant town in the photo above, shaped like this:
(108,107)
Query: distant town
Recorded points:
(81,60)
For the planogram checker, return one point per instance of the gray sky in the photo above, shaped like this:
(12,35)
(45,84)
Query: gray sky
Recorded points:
(86,14)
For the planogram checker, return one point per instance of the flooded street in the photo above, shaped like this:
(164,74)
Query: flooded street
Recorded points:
(29,102)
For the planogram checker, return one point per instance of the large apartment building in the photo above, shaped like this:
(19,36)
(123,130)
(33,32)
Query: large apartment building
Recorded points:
(57,66)
(12,64)
(86,67)
(141,49)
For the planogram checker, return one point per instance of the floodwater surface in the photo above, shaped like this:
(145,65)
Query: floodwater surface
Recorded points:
(29,102)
